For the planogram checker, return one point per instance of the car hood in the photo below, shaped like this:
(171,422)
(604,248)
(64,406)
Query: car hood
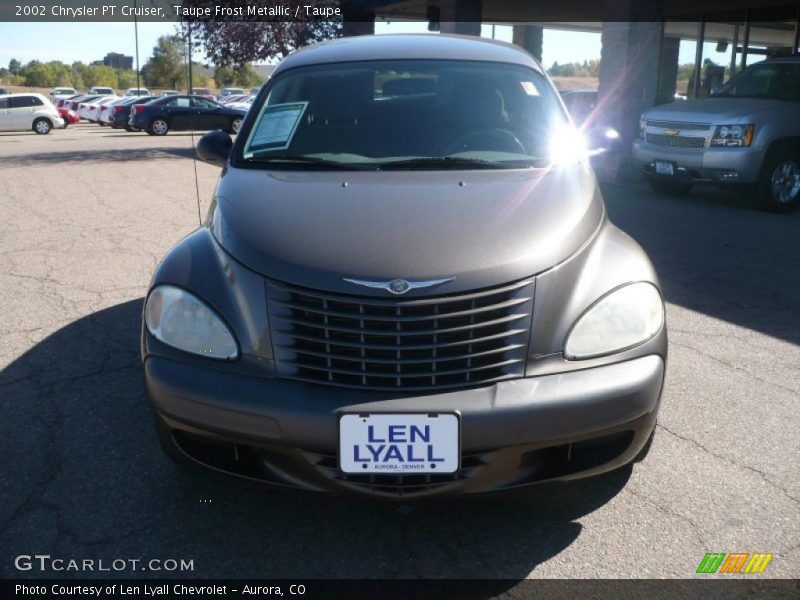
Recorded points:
(481,228)
(716,110)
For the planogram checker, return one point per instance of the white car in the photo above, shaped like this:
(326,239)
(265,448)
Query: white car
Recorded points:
(61,93)
(86,110)
(137,92)
(22,112)
(243,105)
(93,114)
(106,91)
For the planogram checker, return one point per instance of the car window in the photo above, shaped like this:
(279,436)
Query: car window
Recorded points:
(770,80)
(413,112)
(25,101)
(204,103)
(179,103)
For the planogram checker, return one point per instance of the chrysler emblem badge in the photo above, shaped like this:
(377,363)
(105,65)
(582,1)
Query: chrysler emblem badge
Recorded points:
(399,286)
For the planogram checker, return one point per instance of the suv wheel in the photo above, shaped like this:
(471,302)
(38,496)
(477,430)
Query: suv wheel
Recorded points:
(42,126)
(779,184)
(670,188)
(158,127)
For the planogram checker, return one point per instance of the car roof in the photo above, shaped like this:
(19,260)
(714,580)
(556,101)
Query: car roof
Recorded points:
(18,94)
(791,59)
(407,46)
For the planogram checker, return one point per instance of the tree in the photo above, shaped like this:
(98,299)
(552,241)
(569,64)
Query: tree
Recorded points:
(166,67)
(245,76)
(14,66)
(236,43)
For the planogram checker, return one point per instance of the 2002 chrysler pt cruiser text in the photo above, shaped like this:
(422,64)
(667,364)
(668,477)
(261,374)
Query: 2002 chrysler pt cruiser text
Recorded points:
(406,285)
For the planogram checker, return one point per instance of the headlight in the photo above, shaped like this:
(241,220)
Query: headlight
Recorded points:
(732,135)
(181,320)
(622,319)
(642,124)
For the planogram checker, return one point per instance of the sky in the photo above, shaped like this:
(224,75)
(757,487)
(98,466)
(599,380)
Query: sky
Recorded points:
(87,42)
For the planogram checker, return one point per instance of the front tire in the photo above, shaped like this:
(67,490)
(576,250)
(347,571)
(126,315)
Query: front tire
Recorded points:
(42,126)
(158,127)
(779,184)
(669,188)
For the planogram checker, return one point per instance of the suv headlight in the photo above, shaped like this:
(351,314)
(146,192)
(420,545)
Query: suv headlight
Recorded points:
(622,319)
(180,319)
(733,135)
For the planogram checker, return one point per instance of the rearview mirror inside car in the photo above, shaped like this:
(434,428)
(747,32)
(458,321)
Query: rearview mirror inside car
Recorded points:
(214,148)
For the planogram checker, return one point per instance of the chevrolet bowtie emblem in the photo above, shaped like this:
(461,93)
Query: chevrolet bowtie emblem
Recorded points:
(672,132)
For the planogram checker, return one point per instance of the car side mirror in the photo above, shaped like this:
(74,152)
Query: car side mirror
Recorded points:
(602,139)
(214,148)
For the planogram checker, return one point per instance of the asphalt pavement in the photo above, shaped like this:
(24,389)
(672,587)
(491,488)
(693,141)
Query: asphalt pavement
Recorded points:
(87,212)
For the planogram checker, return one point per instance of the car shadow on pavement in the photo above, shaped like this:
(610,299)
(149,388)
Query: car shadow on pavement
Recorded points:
(115,155)
(717,254)
(84,477)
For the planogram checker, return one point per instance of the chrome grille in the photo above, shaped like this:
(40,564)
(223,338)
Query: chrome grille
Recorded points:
(675,141)
(421,343)
(680,125)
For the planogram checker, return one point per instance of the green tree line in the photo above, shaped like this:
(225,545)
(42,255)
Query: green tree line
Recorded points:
(166,68)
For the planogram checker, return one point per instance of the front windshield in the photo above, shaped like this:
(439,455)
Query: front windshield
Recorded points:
(769,80)
(406,114)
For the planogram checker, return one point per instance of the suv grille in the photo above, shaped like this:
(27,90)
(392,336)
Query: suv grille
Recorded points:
(680,125)
(422,343)
(675,141)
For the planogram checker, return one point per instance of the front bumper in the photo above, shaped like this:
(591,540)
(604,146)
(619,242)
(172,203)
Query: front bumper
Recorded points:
(704,165)
(513,433)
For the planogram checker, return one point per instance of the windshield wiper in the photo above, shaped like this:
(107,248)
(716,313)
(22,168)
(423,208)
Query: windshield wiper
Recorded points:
(455,162)
(311,160)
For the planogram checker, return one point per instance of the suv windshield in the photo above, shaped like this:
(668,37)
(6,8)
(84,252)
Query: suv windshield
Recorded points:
(422,114)
(770,80)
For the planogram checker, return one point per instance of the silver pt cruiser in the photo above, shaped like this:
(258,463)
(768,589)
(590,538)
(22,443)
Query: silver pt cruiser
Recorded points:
(406,285)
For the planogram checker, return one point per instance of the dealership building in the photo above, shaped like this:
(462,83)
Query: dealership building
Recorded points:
(640,39)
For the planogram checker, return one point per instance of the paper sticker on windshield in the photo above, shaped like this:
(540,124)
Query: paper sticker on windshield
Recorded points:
(277,126)
(529,88)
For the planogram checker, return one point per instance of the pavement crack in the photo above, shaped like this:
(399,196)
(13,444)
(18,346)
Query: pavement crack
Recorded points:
(703,448)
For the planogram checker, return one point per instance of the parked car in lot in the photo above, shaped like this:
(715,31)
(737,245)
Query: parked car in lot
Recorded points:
(90,111)
(228,100)
(62,93)
(3,91)
(176,113)
(70,116)
(243,104)
(203,92)
(22,112)
(74,103)
(170,93)
(105,111)
(312,335)
(230,91)
(138,92)
(102,91)
(747,133)
(123,112)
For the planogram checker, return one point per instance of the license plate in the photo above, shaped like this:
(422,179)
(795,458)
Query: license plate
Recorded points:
(399,443)
(664,168)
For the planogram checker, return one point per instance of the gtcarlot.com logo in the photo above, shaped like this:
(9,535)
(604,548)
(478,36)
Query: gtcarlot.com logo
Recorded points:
(735,562)
(45,562)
